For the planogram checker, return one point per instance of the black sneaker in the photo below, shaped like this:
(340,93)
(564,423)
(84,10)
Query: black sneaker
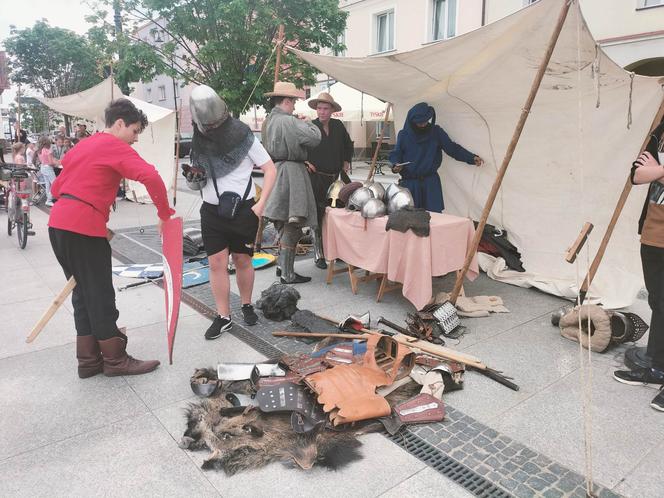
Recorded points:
(249,315)
(658,402)
(220,325)
(639,376)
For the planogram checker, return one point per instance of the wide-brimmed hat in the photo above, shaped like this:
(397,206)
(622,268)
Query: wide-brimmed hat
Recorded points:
(326,98)
(284,89)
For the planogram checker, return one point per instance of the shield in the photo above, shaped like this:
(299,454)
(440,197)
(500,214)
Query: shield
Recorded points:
(171,239)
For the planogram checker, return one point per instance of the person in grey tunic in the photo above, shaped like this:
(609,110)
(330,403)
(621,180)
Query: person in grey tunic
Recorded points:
(292,204)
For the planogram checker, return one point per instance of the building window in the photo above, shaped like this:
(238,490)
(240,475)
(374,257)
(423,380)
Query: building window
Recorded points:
(162,92)
(387,134)
(148,94)
(644,4)
(444,19)
(385,31)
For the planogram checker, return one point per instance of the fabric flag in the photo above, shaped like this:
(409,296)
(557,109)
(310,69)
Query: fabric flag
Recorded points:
(171,238)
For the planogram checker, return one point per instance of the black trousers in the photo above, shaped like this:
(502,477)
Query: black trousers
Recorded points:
(652,259)
(88,260)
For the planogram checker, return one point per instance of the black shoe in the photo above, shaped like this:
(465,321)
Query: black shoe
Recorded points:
(299,279)
(639,376)
(658,402)
(320,263)
(249,315)
(220,325)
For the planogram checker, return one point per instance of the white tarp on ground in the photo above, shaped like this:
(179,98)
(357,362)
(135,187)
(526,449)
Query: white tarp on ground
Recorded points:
(565,171)
(155,144)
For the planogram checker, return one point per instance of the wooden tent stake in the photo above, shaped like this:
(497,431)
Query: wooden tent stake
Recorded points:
(372,169)
(616,214)
(510,150)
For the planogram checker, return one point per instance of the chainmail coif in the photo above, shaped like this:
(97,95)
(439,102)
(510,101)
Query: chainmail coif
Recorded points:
(278,302)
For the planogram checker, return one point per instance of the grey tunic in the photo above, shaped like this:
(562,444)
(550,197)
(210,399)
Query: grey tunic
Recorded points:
(288,140)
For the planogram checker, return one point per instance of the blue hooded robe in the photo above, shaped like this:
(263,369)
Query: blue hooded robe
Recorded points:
(423,148)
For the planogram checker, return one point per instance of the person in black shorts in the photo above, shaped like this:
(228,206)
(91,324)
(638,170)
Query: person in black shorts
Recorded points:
(227,151)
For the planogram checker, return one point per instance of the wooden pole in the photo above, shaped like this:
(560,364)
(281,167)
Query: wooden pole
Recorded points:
(510,150)
(372,169)
(18,114)
(178,117)
(320,335)
(55,305)
(280,41)
(616,214)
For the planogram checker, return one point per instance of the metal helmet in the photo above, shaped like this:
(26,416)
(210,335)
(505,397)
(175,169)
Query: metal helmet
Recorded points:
(377,189)
(333,192)
(208,110)
(196,177)
(373,208)
(391,189)
(346,191)
(358,198)
(400,200)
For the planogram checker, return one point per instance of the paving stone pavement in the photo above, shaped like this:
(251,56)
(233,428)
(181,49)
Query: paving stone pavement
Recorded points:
(509,444)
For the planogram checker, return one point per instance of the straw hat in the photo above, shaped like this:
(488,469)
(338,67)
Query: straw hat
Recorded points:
(326,98)
(284,89)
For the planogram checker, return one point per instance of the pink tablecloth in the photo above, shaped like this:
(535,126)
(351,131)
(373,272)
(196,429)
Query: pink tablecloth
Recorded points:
(404,257)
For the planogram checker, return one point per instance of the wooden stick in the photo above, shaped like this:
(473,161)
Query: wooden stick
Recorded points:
(580,241)
(616,214)
(319,334)
(372,169)
(510,150)
(57,302)
(55,305)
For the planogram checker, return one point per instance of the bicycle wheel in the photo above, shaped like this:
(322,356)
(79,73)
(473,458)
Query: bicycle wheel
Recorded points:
(10,213)
(22,223)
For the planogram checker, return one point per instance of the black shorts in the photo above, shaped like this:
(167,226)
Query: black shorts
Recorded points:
(237,235)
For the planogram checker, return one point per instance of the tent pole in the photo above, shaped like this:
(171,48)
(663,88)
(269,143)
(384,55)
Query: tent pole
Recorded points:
(280,41)
(616,214)
(372,169)
(510,149)
(177,157)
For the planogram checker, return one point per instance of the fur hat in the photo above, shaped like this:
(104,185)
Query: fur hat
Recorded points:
(325,98)
(284,89)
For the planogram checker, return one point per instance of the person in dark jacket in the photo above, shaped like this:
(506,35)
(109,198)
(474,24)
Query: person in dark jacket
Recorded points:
(327,161)
(648,169)
(420,144)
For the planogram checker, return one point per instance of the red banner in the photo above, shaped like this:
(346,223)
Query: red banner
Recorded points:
(171,239)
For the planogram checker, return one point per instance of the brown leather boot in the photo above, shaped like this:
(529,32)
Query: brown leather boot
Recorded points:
(89,357)
(118,362)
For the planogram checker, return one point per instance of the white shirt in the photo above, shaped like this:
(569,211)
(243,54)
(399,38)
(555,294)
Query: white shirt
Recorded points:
(236,181)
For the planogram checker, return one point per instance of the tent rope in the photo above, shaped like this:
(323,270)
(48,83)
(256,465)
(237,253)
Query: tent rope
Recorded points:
(585,368)
(260,77)
(629,108)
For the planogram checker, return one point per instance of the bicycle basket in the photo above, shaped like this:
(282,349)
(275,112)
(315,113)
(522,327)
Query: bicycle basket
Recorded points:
(5,174)
(19,174)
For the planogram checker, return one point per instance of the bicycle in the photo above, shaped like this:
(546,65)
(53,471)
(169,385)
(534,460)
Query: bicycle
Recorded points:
(17,201)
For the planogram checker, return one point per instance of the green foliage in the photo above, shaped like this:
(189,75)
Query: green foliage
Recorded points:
(52,60)
(34,115)
(227,43)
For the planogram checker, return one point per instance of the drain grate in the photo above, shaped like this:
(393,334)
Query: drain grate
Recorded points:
(450,468)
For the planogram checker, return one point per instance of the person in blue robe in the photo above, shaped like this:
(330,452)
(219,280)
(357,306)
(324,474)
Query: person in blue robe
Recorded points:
(420,144)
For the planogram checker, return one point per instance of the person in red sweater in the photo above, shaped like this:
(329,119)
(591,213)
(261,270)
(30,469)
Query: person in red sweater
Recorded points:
(85,191)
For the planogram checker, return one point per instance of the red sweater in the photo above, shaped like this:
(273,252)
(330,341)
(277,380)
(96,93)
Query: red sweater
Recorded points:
(92,172)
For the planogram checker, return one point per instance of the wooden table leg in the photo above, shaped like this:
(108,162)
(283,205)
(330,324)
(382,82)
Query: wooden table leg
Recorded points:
(353,278)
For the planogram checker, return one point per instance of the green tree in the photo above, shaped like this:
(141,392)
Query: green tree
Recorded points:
(52,60)
(34,115)
(226,44)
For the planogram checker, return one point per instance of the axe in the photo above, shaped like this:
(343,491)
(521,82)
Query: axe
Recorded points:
(57,302)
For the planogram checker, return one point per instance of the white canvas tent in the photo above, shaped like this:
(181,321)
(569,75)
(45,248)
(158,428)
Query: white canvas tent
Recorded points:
(356,105)
(575,152)
(155,144)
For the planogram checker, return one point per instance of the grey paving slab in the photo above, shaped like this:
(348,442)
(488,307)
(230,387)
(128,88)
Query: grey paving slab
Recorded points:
(22,285)
(645,481)
(533,353)
(11,258)
(134,457)
(42,400)
(40,254)
(17,320)
(623,424)
(427,483)
(170,383)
